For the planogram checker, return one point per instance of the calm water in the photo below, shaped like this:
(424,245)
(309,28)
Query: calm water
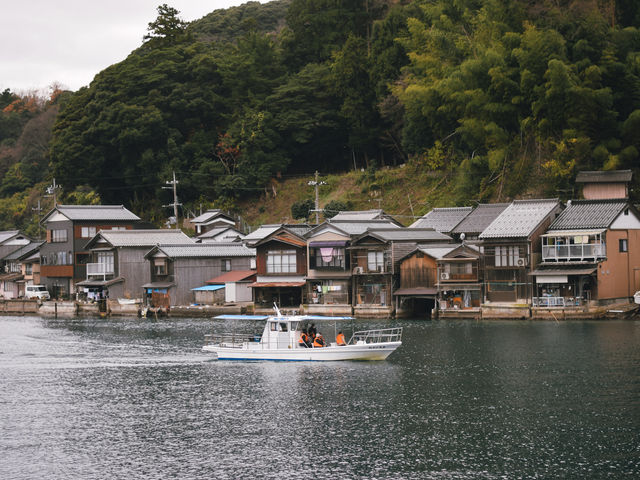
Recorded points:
(134,399)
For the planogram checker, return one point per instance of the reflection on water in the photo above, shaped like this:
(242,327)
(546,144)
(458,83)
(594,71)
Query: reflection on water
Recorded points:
(134,399)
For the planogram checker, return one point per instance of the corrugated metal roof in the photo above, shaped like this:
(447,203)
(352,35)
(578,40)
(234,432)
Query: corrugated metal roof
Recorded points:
(565,268)
(520,218)
(208,288)
(589,214)
(480,218)
(442,219)
(144,238)
(96,212)
(197,250)
(614,176)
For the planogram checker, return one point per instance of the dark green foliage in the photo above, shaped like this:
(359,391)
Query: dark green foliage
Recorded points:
(334,207)
(302,210)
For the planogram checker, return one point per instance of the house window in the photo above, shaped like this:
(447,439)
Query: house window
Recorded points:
(58,236)
(28,269)
(106,259)
(160,266)
(375,261)
(226,265)
(87,232)
(623,245)
(507,256)
(118,228)
(327,258)
(281,261)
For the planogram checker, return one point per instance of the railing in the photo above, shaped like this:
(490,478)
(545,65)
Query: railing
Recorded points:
(549,302)
(377,336)
(571,252)
(231,340)
(99,269)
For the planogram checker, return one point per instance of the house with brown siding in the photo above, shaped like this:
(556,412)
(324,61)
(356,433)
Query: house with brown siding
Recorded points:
(63,257)
(590,256)
(281,269)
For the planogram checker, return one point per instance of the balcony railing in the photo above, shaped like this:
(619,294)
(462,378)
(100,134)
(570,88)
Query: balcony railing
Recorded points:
(580,251)
(550,302)
(99,269)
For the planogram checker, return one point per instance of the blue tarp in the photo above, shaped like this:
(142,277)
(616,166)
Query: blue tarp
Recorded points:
(208,288)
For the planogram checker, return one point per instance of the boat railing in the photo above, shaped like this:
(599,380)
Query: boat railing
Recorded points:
(377,336)
(231,340)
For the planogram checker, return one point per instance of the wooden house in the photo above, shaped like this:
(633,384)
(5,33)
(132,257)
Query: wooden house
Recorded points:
(177,269)
(116,265)
(605,185)
(281,268)
(511,246)
(209,220)
(19,270)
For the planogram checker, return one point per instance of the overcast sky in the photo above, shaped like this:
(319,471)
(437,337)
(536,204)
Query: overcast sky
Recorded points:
(70,41)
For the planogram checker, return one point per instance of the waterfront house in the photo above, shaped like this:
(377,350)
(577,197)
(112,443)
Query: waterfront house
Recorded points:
(590,254)
(116,266)
(10,241)
(209,220)
(63,256)
(511,246)
(375,257)
(19,270)
(177,269)
(281,266)
(459,281)
(443,220)
(329,274)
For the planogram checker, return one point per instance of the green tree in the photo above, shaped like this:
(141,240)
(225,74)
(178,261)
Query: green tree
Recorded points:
(302,210)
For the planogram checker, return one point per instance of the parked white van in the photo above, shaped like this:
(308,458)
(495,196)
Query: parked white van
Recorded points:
(36,291)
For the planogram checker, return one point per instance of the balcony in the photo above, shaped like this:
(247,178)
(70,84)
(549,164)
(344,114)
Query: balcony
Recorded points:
(99,270)
(575,252)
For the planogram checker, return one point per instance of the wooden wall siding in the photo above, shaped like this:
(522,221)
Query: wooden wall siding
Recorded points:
(416,271)
(600,191)
(131,265)
(56,271)
(261,258)
(398,251)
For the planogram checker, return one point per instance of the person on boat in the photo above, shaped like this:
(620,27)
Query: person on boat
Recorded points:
(312,331)
(304,339)
(340,340)
(318,341)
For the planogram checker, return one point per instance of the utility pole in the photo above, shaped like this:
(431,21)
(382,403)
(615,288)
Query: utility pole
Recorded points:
(316,184)
(38,209)
(51,191)
(175,203)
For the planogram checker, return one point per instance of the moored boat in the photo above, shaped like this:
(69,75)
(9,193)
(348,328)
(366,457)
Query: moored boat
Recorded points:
(280,340)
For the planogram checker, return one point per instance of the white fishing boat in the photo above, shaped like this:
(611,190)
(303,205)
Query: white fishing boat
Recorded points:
(280,340)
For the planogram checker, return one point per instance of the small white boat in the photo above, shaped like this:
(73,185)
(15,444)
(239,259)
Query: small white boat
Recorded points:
(636,297)
(280,340)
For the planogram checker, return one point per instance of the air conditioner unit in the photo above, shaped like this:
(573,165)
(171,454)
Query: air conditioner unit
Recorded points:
(358,270)
(444,276)
(521,262)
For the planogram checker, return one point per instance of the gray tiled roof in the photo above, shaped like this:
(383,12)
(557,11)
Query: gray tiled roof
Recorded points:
(614,176)
(97,212)
(262,232)
(7,234)
(480,218)
(22,251)
(409,234)
(357,227)
(361,215)
(144,238)
(199,250)
(214,232)
(442,219)
(582,214)
(209,215)
(520,219)
(438,251)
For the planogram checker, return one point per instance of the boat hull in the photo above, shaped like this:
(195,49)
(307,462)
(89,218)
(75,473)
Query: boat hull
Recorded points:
(372,351)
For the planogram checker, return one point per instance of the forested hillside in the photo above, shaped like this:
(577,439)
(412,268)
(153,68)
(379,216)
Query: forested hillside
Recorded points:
(484,99)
